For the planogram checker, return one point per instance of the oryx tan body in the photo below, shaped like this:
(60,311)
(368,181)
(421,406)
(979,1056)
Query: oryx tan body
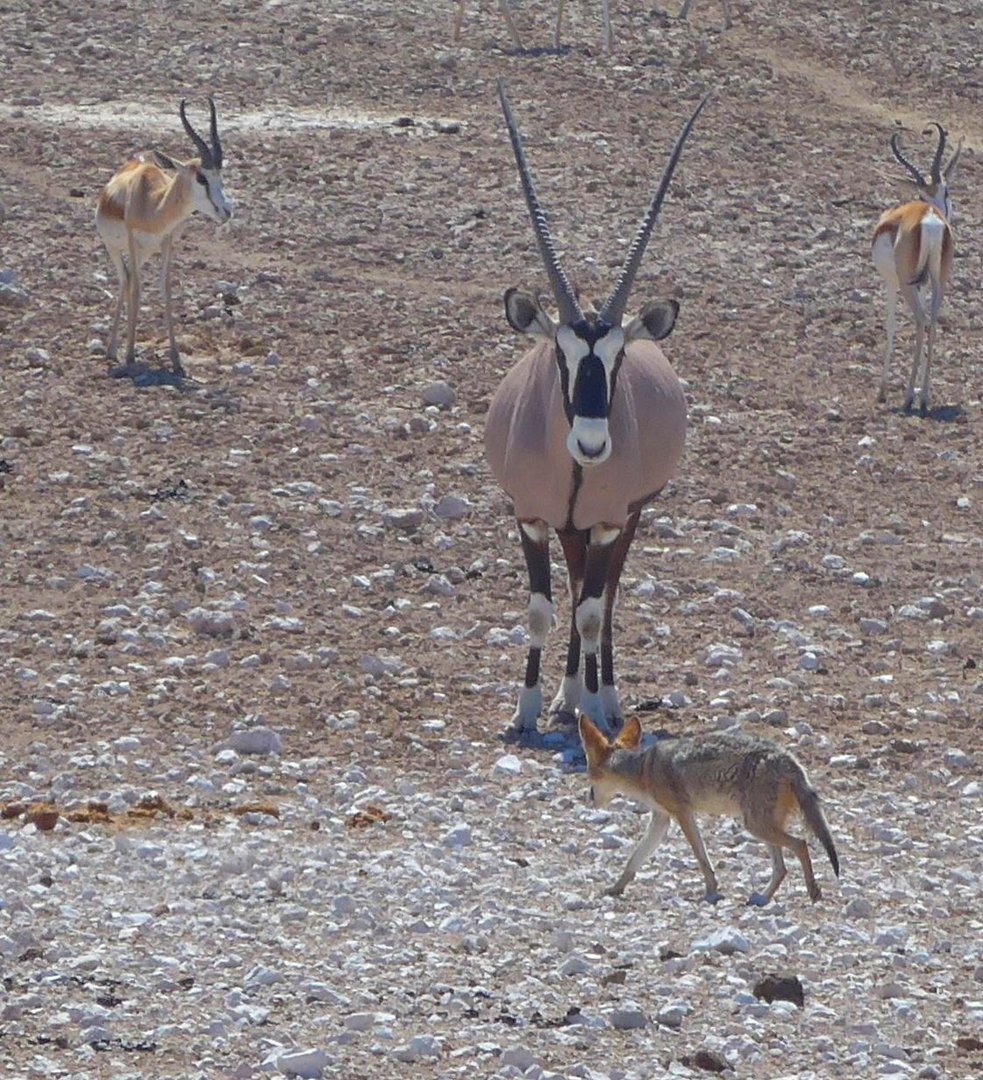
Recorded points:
(526,431)
(913,248)
(143,209)
(737,775)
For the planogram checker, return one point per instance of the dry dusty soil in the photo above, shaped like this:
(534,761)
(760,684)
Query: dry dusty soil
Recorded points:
(261,629)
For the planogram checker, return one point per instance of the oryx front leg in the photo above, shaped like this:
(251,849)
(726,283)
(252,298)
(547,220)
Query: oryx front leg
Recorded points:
(590,615)
(567,700)
(654,834)
(536,549)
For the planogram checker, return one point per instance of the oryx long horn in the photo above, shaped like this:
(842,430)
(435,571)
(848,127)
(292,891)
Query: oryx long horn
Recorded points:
(216,145)
(204,150)
(913,172)
(614,310)
(937,160)
(566,300)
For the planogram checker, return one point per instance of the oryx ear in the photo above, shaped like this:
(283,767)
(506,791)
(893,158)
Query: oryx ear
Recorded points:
(164,161)
(654,322)
(525,314)
(596,746)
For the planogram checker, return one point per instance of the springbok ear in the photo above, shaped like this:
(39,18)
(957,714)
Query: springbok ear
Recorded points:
(631,735)
(654,322)
(595,745)
(164,161)
(525,314)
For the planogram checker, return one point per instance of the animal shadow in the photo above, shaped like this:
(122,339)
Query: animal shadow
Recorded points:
(142,374)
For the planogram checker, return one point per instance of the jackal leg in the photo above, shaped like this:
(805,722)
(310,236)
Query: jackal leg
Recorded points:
(654,834)
(536,549)
(778,873)
(777,838)
(687,822)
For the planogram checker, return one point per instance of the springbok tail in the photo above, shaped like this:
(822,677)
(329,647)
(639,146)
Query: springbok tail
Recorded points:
(813,813)
(931,240)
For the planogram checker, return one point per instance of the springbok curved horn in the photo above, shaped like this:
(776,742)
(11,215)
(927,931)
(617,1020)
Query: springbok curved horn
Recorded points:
(614,309)
(939,150)
(912,171)
(566,300)
(204,150)
(216,145)
(954,159)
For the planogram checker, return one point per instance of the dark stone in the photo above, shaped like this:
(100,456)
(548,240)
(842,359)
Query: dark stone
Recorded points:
(780,988)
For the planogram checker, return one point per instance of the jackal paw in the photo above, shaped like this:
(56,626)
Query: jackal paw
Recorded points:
(713,897)
(757,899)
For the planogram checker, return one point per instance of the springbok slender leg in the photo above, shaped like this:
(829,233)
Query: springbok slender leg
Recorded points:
(913,299)
(933,318)
(561,4)
(536,548)
(133,300)
(892,325)
(574,544)
(724,4)
(609,694)
(166,248)
(507,15)
(608,32)
(123,274)
(458,19)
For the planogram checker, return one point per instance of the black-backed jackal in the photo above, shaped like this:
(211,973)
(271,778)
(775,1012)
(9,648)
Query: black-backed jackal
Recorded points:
(735,774)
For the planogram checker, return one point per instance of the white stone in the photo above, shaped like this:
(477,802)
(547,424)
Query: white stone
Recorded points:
(304,1063)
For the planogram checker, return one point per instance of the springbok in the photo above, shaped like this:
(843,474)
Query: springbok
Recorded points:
(561,4)
(582,432)
(143,210)
(913,247)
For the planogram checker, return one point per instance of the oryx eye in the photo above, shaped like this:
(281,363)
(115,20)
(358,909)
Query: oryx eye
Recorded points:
(202,179)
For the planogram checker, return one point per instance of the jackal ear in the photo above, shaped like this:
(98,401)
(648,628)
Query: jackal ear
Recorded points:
(525,314)
(631,735)
(596,745)
(164,161)
(654,322)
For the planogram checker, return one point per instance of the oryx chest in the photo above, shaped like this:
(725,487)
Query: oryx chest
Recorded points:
(527,427)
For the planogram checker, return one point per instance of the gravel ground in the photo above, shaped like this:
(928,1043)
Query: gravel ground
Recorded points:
(260,632)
